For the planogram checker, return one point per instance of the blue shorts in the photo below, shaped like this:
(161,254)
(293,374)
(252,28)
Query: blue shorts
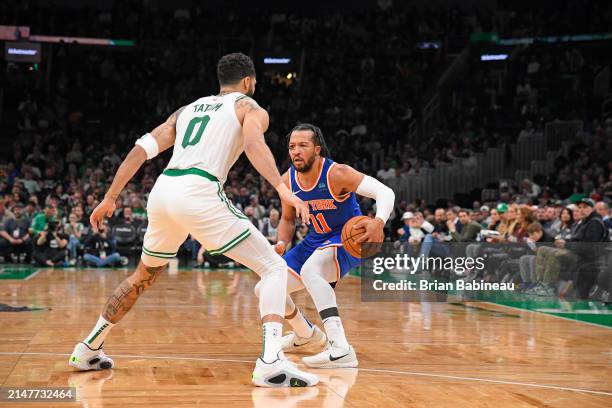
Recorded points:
(298,255)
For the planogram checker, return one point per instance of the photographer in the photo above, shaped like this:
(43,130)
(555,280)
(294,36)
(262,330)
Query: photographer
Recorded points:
(15,232)
(50,245)
(100,248)
(40,221)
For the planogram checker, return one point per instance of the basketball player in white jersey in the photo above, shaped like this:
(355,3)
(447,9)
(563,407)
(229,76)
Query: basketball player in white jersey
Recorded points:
(207,137)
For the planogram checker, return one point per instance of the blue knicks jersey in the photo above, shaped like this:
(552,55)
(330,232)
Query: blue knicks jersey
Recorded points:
(328,213)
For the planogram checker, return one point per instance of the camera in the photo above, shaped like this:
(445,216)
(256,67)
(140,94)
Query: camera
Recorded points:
(52,226)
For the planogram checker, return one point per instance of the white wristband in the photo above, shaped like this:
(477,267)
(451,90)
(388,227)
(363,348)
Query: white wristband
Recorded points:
(384,196)
(149,144)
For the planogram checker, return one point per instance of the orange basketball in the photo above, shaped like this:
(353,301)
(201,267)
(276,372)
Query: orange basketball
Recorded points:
(350,234)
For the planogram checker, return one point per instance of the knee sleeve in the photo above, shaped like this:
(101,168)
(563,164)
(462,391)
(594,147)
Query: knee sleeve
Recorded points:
(256,253)
(316,274)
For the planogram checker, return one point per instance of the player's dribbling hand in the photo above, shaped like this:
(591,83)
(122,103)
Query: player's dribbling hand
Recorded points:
(280,247)
(301,209)
(373,230)
(105,208)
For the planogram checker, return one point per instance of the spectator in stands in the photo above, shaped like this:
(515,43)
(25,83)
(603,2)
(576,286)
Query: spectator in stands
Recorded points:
(259,211)
(16,244)
(31,185)
(250,214)
(100,248)
(127,217)
(564,257)
(527,263)
(138,211)
(50,245)
(603,209)
(475,250)
(440,232)
(530,189)
(509,214)
(418,229)
(485,215)
(386,172)
(40,221)
(269,228)
(243,199)
(476,216)
(74,229)
(563,225)
(404,231)
(452,217)
(524,220)
(5,214)
(494,220)
(420,237)
(469,228)
(30,210)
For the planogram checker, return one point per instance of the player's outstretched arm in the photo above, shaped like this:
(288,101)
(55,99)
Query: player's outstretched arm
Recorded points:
(286,225)
(148,146)
(345,179)
(254,124)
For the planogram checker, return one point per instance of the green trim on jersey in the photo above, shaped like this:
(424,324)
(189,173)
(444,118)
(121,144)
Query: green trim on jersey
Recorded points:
(232,243)
(193,170)
(164,255)
(229,204)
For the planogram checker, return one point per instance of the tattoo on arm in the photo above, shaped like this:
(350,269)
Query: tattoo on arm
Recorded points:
(245,102)
(174,117)
(124,296)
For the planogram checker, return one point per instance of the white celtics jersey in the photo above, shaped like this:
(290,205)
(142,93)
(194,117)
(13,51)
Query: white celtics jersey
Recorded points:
(208,136)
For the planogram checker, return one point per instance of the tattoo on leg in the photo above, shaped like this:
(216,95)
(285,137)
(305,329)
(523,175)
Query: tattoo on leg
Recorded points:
(124,296)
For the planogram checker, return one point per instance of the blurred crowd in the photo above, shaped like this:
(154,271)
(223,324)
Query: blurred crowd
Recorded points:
(363,80)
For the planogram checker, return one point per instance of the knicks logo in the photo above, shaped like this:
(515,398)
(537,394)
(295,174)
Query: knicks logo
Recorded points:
(321,205)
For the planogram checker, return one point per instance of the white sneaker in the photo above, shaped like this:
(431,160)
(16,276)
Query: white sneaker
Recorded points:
(281,373)
(85,358)
(333,357)
(292,341)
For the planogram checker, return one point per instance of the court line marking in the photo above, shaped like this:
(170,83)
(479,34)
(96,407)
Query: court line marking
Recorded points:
(551,315)
(32,275)
(371,370)
(455,377)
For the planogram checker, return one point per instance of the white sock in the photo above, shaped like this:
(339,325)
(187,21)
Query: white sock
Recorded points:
(95,339)
(301,326)
(335,332)
(272,346)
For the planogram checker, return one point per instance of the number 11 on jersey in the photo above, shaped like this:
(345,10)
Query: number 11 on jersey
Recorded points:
(319,224)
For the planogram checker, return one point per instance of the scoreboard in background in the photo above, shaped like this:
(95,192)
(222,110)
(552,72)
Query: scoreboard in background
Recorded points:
(21,51)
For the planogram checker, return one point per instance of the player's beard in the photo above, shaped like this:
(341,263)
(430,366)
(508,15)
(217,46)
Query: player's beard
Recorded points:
(251,91)
(307,165)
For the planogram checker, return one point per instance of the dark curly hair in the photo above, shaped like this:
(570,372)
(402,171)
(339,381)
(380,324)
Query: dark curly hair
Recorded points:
(231,68)
(317,137)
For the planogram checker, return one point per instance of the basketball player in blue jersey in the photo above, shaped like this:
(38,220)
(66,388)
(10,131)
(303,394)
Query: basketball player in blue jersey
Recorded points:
(320,260)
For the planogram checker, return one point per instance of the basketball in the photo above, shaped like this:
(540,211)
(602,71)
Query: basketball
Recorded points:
(350,235)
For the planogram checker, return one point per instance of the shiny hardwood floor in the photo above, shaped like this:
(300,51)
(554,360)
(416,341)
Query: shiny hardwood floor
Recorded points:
(192,341)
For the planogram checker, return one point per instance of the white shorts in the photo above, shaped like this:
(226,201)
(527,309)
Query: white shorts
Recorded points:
(191,204)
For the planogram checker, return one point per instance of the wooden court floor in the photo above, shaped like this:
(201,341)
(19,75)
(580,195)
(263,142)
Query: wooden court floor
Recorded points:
(193,339)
